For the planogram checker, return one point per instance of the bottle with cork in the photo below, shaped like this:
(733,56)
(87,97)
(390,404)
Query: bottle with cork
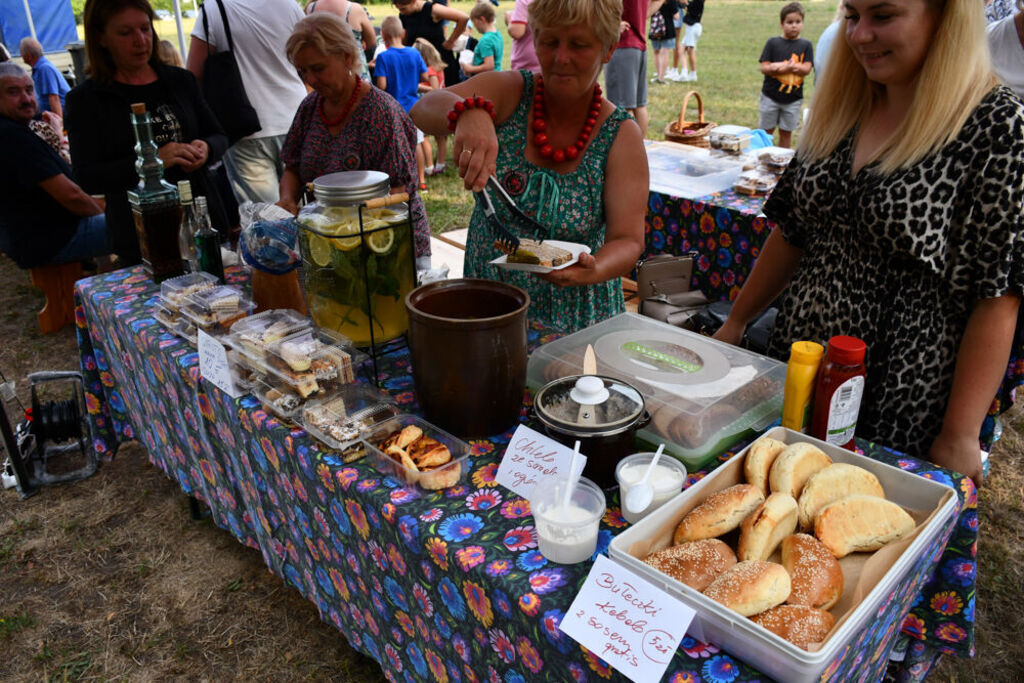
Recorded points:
(189,226)
(154,203)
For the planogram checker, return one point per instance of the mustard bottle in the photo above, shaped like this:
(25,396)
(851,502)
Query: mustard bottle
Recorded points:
(801,371)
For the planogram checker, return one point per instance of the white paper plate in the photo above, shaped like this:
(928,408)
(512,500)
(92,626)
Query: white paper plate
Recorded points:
(575,248)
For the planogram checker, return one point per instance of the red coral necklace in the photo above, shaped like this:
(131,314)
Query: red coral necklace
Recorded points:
(330,123)
(540,126)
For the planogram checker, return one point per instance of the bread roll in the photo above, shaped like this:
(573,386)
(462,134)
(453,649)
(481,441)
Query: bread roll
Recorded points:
(794,466)
(758,463)
(802,626)
(836,481)
(720,513)
(696,563)
(750,587)
(815,574)
(763,529)
(861,522)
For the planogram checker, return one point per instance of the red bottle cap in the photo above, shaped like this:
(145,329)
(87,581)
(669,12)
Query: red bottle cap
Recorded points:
(846,350)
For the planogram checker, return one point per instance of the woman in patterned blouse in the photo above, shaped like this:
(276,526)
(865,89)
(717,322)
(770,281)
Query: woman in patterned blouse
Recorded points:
(345,124)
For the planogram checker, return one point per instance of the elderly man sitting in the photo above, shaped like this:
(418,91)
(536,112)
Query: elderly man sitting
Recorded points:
(45,217)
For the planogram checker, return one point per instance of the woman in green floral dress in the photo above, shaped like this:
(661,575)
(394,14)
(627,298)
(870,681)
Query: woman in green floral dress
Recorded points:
(564,154)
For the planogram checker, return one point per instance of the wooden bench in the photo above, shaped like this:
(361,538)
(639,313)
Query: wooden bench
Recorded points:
(58,284)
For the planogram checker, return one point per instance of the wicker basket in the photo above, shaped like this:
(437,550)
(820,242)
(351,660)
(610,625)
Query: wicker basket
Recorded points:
(690,132)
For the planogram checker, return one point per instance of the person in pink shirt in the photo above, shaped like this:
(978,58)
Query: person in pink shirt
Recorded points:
(523,54)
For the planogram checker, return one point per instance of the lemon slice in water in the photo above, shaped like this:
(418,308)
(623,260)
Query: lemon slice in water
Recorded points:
(320,249)
(381,241)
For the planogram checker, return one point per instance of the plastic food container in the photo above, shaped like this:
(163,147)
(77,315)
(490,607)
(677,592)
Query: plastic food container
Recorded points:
(776,158)
(869,578)
(312,362)
(444,476)
(176,289)
(276,396)
(567,534)
(340,421)
(689,172)
(666,480)
(756,182)
(731,139)
(358,262)
(215,309)
(251,336)
(703,395)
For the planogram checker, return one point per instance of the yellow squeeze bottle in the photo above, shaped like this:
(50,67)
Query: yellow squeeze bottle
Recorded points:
(801,371)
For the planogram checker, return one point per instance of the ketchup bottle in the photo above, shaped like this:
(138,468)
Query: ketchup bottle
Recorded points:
(838,391)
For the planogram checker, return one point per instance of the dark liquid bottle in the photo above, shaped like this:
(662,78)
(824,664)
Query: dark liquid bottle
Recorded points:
(155,208)
(207,242)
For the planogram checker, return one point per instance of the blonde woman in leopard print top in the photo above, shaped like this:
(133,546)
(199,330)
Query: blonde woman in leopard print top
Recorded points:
(900,222)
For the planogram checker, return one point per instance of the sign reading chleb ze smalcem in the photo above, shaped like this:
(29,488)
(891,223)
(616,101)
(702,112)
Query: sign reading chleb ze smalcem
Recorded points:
(531,457)
(628,622)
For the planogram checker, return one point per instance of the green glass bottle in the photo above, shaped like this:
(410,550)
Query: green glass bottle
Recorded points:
(207,242)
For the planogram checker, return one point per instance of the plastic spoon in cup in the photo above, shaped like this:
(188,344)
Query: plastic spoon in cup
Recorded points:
(641,494)
(570,485)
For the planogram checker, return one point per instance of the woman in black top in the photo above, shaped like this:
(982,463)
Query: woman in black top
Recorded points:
(121,46)
(424,19)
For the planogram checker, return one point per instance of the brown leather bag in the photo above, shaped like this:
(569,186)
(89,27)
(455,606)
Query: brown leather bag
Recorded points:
(663,288)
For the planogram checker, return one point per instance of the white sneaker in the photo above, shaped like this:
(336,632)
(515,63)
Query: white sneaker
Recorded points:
(678,77)
(692,76)
(672,74)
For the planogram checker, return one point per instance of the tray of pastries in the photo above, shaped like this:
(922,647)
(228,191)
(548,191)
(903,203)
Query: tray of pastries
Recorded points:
(417,452)
(340,421)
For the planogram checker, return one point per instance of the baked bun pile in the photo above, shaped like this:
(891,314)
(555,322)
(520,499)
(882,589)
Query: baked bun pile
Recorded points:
(844,505)
(423,457)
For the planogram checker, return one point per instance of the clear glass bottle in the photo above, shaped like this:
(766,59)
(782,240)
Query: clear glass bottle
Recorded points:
(154,203)
(187,231)
(207,241)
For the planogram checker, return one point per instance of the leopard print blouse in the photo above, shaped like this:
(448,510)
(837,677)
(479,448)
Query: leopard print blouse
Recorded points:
(900,259)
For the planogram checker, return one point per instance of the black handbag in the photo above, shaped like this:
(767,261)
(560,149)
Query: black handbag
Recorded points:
(223,88)
(707,320)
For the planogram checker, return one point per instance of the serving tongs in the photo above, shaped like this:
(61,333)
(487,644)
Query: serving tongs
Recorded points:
(505,237)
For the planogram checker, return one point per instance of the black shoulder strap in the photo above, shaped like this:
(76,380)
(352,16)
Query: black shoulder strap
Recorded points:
(224,20)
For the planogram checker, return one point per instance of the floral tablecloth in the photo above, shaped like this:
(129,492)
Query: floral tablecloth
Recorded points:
(447,585)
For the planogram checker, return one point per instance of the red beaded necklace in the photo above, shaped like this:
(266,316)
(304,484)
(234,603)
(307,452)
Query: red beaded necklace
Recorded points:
(540,125)
(344,112)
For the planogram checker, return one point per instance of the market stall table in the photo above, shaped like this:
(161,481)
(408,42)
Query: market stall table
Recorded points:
(446,585)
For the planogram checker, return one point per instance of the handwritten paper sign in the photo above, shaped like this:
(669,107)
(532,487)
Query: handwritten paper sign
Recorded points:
(531,457)
(214,366)
(633,625)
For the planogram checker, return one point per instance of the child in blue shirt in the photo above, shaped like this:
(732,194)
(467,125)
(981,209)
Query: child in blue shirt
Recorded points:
(398,71)
(489,49)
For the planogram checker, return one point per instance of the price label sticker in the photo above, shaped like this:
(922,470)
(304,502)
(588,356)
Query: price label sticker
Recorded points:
(531,457)
(628,622)
(214,365)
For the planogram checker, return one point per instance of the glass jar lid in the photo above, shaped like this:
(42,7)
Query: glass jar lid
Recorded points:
(351,187)
(589,404)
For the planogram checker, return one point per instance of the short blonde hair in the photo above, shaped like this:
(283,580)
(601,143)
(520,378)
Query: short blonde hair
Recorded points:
(430,54)
(603,15)
(168,54)
(325,32)
(391,27)
(955,76)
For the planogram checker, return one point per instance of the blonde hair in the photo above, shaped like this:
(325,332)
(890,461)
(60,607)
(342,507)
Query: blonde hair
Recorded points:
(430,54)
(954,77)
(603,15)
(391,27)
(325,32)
(167,54)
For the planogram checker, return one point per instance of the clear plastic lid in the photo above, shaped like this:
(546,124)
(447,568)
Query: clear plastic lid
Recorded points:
(312,361)
(276,396)
(252,336)
(776,156)
(174,290)
(217,307)
(429,457)
(341,420)
(589,403)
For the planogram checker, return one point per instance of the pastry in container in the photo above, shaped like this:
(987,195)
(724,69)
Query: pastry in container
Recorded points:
(216,309)
(339,421)
(276,396)
(252,336)
(755,182)
(777,158)
(417,452)
(174,291)
(314,361)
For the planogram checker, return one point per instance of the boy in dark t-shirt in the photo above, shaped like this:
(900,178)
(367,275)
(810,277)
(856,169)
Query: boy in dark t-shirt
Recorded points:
(785,62)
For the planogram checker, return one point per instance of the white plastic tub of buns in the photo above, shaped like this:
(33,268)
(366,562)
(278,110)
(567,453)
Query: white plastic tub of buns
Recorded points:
(778,534)
(417,452)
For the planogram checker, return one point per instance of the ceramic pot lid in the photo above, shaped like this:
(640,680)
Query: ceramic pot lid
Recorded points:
(566,404)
